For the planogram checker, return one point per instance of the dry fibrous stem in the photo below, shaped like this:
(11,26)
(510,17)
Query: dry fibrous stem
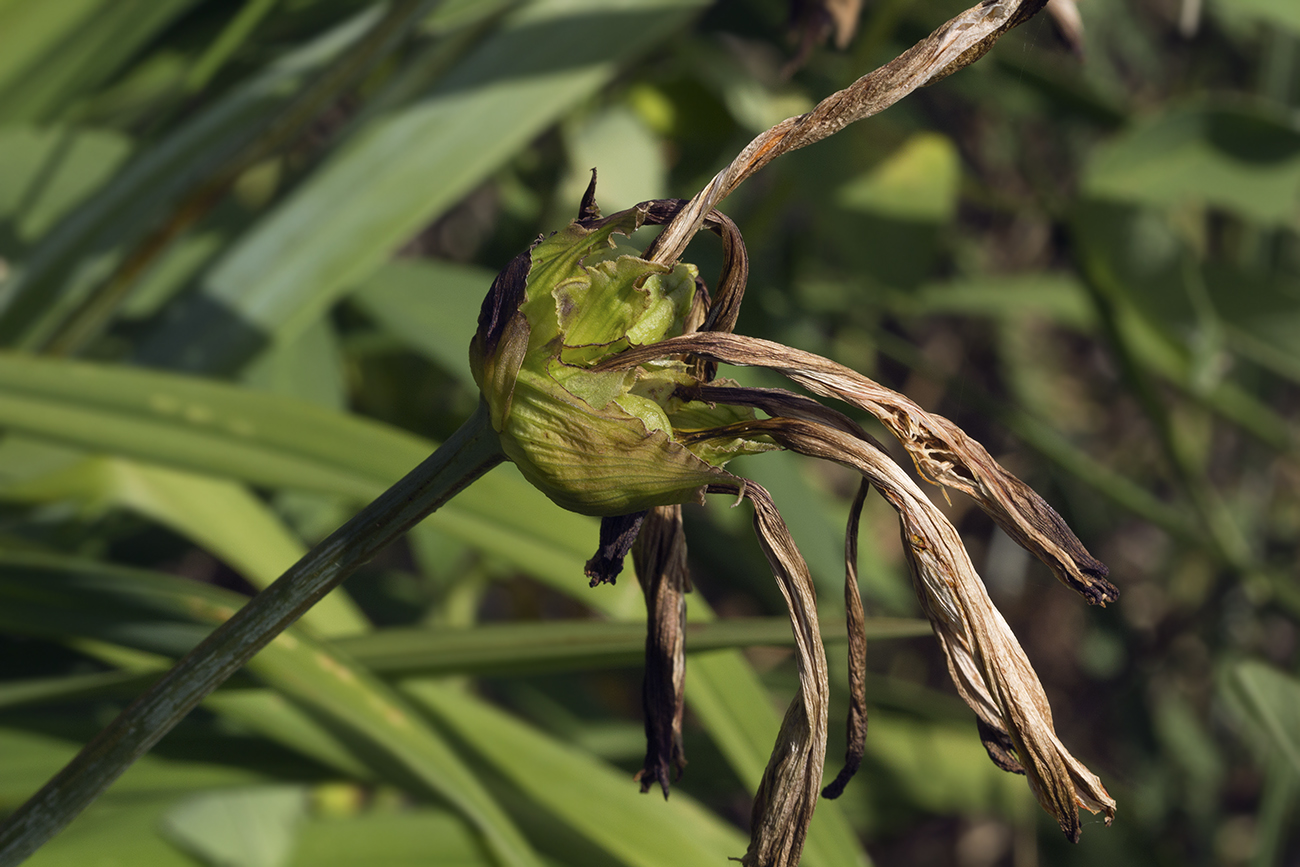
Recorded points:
(957,43)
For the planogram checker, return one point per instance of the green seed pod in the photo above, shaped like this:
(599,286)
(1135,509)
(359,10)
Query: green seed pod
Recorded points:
(599,443)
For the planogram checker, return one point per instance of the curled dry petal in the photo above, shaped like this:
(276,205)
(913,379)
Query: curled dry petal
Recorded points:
(986,662)
(813,21)
(787,795)
(617,533)
(660,559)
(856,620)
(943,453)
(778,402)
(956,44)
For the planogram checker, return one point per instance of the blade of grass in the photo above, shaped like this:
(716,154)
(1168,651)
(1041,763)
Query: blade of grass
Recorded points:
(54,51)
(403,169)
(220,516)
(83,248)
(270,441)
(603,804)
(462,459)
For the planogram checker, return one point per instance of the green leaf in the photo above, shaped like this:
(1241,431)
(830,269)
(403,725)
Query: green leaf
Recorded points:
(1282,13)
(604,805)
(29,759)
(1059,298)
(83,248)
(421,837)
(305,365)
(432,306)
(1267,700)
(45,171)
(942,768)
(218,515)
(1261,311)
(628,157)
(363,712)
(267,440)
(406,167)
(56,51)
(1243,158)
(115,832)
(573,644)
(253,827)
(918,182)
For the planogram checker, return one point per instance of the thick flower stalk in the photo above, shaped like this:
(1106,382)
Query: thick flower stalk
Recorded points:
(598,363)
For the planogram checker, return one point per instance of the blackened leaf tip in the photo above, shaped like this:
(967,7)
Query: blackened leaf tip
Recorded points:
(502,302)
(587,208)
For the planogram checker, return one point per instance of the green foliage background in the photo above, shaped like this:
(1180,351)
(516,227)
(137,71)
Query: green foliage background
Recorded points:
(242,248)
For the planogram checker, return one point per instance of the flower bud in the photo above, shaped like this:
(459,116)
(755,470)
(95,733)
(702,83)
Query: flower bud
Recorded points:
(596,442)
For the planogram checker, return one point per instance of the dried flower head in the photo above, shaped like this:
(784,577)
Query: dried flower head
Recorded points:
(598,364)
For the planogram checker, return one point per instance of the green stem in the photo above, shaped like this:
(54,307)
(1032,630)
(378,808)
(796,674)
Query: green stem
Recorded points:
(471,451)
(1280,788)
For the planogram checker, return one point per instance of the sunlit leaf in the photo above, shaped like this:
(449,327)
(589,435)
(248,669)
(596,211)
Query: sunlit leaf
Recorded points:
(250,827)
(1269,701)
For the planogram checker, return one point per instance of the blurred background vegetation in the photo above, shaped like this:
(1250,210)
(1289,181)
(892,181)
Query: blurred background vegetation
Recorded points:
(242,248)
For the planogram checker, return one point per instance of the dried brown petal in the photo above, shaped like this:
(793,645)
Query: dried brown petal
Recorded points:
(660,559)
(616,537)
(857,722)
(943,453)
(787,795)
(956,44)
(987,664)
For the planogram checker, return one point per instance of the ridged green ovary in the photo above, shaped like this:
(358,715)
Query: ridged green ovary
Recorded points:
(603,443)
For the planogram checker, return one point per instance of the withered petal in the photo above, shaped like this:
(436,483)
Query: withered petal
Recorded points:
(587,208)
(952,46)
(788,793)
(943,453)
(998,745)
(856,621)
(660,560)
(988,666)
(617,534)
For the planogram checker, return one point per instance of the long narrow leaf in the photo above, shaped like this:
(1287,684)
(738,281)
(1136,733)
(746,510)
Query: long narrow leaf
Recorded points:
(407,167)
(267,440)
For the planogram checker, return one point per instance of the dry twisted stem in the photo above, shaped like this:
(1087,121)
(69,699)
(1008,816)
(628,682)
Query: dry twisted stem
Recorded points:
(956,44)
